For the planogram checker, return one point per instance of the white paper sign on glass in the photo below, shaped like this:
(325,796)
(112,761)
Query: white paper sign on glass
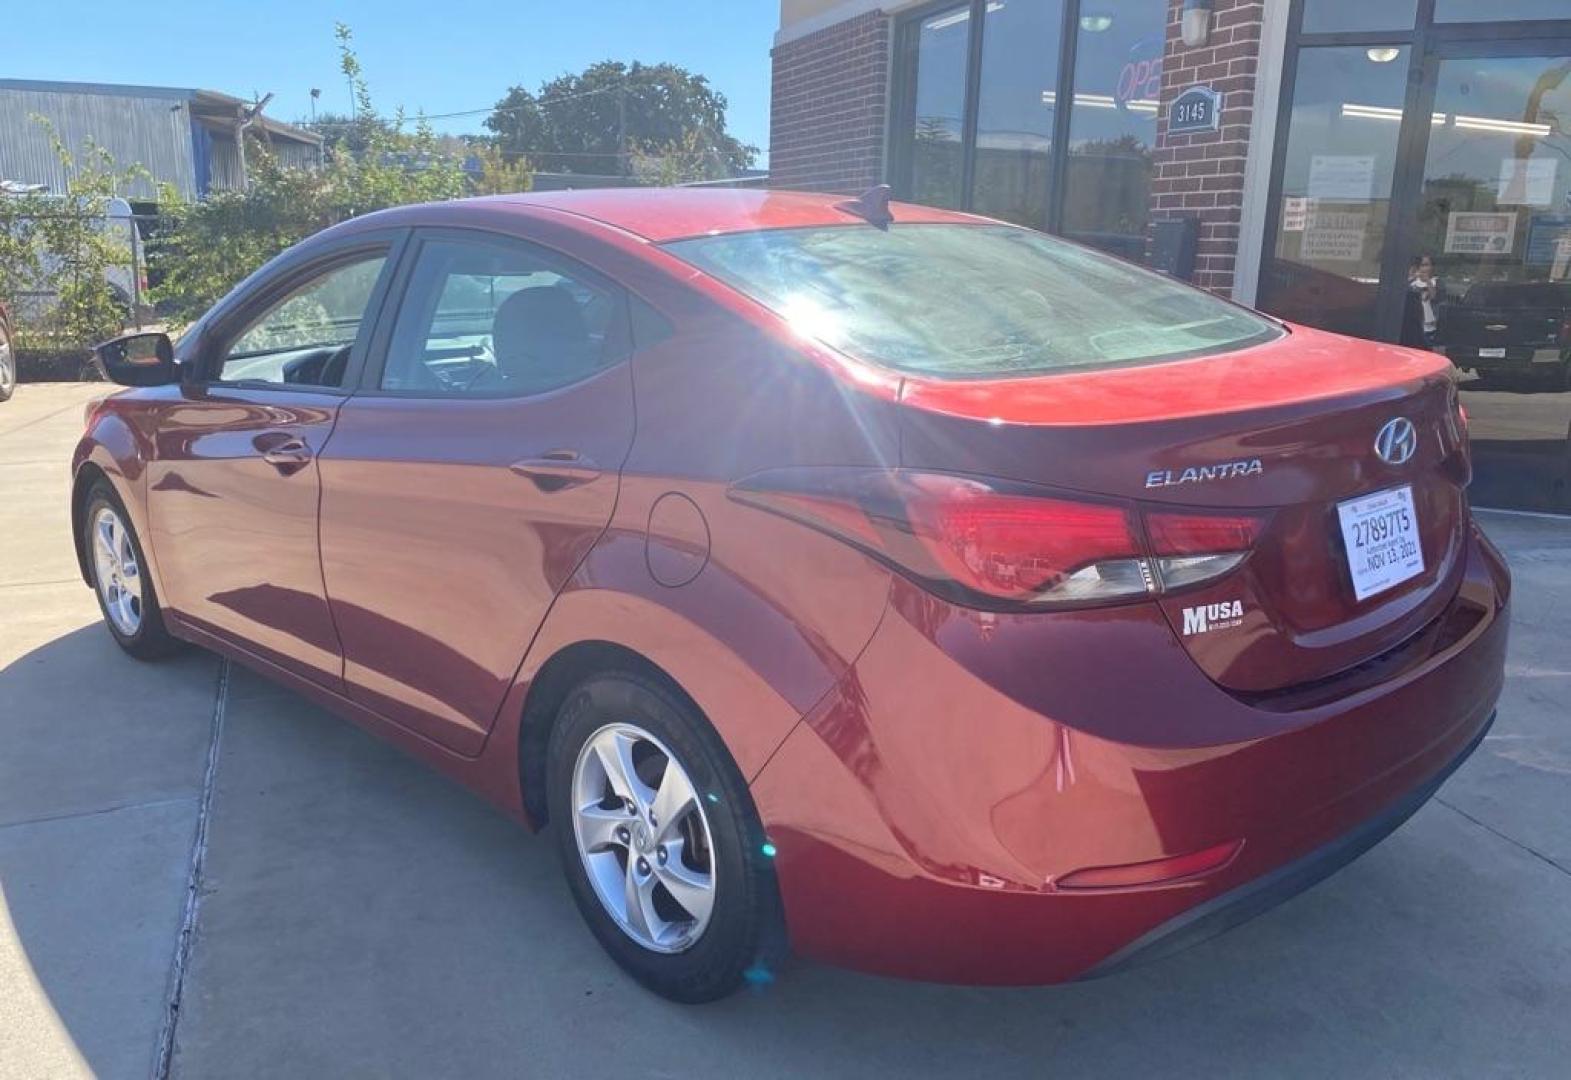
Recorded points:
(1380,532)
(1469,233)
(1342,177)
(1526,182)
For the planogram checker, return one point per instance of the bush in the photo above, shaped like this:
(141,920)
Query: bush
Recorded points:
(205,248)
(56,253)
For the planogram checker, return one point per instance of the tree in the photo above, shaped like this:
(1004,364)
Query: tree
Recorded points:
(595,122)
(207,247)
(500,175)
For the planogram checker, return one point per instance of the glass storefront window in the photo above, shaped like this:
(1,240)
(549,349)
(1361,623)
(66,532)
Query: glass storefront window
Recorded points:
(1499,10)
(939,84)
(1112,126)
(1016,105)
(1494,223)
(1330,16)
(1336,188)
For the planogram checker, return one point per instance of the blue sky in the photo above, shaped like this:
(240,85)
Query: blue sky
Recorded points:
(441,56)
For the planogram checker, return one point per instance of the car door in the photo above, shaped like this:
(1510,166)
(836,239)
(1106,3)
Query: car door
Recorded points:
(233,487)
(471,474)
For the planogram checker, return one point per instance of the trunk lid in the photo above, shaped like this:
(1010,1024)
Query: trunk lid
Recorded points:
(1285,430)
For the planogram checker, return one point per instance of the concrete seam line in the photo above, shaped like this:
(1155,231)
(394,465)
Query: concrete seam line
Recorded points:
(72,815)
(1542,515)
(1488,828)
(193,887)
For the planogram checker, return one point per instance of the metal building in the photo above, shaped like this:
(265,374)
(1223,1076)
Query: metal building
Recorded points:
(186,138)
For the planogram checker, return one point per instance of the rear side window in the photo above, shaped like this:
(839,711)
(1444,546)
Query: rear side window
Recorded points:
(485,318)
(971,301)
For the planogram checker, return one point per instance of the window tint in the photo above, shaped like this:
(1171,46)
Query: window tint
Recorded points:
(968,301)
(487,318)
(305,338)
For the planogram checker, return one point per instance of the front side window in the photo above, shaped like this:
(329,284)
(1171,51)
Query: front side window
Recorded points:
(971,301)
(305,338)
(485,318)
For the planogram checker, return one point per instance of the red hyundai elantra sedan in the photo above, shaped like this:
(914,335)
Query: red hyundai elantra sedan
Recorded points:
(918,591)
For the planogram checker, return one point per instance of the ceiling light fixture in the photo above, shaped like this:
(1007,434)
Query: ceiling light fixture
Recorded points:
(1383,54)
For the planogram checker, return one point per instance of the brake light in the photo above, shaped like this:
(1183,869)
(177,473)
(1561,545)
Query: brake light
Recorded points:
(1190,548)
(1200,534)
(1020,548)
(995,544)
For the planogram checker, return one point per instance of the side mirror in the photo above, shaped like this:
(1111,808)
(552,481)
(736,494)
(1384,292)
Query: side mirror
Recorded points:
(141,359)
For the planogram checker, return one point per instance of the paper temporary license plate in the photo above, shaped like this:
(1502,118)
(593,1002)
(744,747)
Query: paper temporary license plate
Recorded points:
(1380,532)
(1491,354)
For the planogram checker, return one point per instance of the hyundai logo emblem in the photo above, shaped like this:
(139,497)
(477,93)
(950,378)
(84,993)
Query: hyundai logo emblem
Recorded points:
(1397,441)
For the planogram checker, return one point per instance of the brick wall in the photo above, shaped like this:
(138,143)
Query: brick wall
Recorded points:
(828,107)
(1204,173)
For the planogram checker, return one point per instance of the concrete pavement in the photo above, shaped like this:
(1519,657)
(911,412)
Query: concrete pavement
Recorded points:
(358,916)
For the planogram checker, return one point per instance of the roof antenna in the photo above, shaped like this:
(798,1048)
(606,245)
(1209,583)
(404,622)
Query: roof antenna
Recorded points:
(871,206)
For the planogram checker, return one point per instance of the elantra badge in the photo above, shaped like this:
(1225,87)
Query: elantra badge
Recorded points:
(1195,474)
(1397,441)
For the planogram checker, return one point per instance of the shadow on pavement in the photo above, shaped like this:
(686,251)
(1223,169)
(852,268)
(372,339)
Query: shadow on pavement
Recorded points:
(100,765)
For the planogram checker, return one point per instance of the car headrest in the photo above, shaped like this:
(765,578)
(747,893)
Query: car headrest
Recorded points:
(537,330)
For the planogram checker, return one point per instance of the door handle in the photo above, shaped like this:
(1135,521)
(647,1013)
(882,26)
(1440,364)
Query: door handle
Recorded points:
(286,453)
(557,470)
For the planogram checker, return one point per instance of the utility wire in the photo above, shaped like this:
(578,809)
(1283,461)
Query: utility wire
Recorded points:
(552,100)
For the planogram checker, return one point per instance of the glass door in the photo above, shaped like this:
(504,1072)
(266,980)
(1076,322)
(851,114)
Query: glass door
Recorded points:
(1337,178)
(1489,266)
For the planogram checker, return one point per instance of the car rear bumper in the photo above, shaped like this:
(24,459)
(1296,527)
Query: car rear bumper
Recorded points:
(927,814)
(1239,905)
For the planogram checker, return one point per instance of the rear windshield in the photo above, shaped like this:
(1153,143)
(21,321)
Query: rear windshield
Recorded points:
(971,301)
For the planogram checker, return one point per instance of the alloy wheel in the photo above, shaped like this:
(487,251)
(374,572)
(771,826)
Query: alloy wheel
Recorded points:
(116,571)
(643,837)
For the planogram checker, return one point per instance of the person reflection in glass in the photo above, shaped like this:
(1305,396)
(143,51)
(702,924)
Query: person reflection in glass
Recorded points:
(1419,321)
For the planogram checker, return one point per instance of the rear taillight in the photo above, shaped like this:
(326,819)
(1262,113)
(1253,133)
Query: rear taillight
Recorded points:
(1188,548)
(1000,545)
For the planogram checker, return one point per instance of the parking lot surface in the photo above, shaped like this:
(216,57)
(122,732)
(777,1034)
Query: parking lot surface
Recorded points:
(205,876)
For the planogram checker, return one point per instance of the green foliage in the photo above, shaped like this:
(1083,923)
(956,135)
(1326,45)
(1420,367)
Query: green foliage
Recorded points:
(595,122)
(208,247)
(60,252)
(500,175)
(682,161)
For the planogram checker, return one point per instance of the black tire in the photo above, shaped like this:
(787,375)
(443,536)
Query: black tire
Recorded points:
(152,640)
(745,935)
(8,360)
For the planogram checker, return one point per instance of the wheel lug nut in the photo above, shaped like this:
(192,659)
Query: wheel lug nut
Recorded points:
(621,834)
(660,856)
(643,866)
(653,824)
